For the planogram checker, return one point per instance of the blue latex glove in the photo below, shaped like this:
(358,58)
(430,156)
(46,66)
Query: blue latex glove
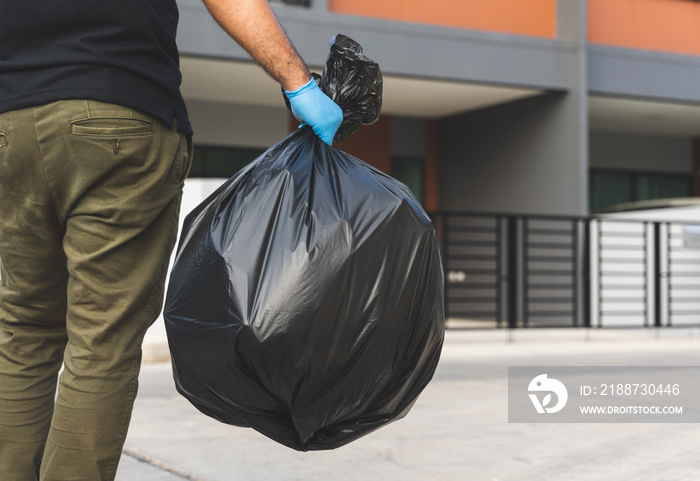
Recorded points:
(316,109)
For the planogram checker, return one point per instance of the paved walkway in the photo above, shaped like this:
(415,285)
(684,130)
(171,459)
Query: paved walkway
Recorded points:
(457,430)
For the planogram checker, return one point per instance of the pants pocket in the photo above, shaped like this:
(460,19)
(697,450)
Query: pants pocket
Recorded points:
(125,137)
(111,127)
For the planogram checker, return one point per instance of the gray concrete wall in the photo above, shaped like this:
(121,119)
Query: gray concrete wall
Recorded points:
(519,157)
(636,152)
(635,73)
(401,48)
(237,125)
(427,51)
(407,137)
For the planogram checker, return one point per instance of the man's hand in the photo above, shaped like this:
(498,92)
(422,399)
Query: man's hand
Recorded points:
(316,109)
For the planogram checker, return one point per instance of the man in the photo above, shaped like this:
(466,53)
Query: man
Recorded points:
(94,148)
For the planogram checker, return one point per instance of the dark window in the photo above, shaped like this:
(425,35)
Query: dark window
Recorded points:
(609,188)
(221,161)
(649,187)
(409,170)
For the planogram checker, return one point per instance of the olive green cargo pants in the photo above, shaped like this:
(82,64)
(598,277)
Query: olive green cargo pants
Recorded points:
(89,200)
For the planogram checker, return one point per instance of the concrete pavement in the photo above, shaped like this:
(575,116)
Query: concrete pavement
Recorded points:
(457,430)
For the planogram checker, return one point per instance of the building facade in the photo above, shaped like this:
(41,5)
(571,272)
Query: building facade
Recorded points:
(524,106)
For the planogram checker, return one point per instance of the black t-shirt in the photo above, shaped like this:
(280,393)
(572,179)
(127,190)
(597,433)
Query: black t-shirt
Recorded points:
(122,52)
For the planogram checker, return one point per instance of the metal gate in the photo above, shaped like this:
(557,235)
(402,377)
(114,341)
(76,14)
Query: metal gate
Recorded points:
(504,270)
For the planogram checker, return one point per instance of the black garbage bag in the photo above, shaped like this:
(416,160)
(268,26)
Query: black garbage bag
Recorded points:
(306,298)
(354,82)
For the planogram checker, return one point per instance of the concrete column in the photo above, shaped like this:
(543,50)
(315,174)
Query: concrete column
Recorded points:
(528,156)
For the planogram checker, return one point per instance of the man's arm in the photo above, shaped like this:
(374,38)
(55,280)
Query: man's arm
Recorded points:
(253,25)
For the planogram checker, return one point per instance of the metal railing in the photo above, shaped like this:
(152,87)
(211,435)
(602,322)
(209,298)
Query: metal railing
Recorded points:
(509,270)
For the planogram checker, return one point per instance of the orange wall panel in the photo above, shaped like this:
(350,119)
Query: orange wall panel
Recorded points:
(371,144)
(609,20)
(535,18)
(660,25)
(520,17)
